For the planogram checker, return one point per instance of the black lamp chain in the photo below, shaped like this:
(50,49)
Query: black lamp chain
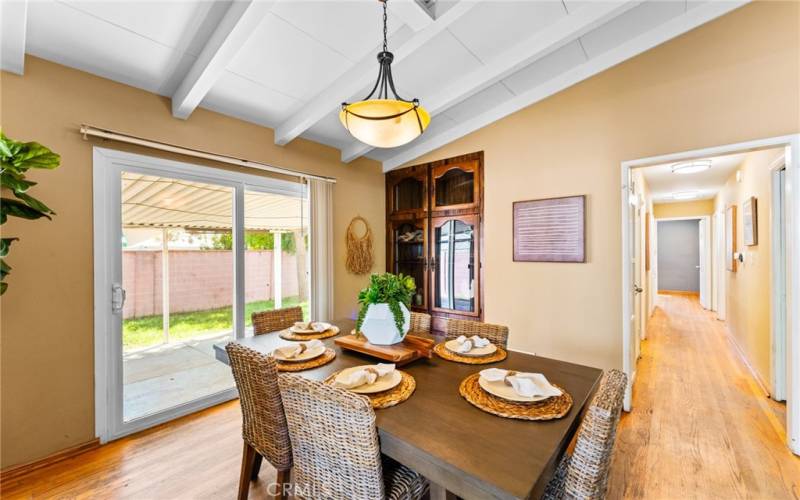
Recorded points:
(385,82)
(385,17)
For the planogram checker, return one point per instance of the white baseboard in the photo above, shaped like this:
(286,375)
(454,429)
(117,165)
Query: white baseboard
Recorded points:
(759,380)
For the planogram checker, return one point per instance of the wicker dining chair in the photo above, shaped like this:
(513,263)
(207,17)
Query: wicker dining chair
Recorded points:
(275,320)
(584,473)
(335,446)
(264,428)
(497,334)
(420,323)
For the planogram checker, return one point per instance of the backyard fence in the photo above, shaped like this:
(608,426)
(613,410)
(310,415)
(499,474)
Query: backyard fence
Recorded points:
(199,279)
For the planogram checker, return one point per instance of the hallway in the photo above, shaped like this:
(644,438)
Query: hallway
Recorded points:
(701,426)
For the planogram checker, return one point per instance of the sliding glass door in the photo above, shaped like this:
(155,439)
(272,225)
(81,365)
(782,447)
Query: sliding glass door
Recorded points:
(188,254)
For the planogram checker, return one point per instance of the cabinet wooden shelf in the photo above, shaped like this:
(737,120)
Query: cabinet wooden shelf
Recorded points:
(434,234)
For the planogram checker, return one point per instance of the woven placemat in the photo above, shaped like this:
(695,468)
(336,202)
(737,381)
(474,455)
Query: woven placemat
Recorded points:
(393,396)
(298,366)
(551,408)
(443,352)
(290,335)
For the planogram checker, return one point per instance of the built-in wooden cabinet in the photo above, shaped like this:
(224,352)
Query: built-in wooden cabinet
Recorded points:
(434,233)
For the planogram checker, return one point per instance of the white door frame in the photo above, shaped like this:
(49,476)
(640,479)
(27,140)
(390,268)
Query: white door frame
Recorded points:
(778,275)
(792,145)
(719,265)
(108,165)
(706,271)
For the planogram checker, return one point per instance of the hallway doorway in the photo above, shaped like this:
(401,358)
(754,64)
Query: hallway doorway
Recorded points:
(742,278)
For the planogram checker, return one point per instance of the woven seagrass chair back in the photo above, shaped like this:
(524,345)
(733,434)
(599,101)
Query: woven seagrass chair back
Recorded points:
(420,323)
(497,334)
(263,419)
(334,441)
(587,472)
(275,320)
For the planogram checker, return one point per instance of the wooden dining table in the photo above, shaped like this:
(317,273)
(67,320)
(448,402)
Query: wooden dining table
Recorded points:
(458,447)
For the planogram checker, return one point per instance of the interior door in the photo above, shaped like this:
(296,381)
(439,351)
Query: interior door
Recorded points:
(455,273)
(703,235)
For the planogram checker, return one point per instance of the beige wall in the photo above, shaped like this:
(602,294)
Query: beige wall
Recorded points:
(731,80)
(748,289)
(47,363)
(683,209)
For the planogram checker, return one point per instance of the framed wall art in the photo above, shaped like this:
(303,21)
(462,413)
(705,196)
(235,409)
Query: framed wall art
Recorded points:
(730,238)
(750,221)
(550,230)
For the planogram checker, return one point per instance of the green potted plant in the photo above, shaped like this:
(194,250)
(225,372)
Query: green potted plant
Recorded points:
(16,158)
(384,318)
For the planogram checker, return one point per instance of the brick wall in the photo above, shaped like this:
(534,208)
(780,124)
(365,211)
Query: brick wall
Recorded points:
(199,280)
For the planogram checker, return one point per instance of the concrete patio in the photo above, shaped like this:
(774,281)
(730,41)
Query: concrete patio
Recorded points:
(163,376)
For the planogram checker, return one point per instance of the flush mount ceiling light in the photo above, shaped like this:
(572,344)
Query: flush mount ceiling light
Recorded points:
(379,120)
(685,195)
(691,167)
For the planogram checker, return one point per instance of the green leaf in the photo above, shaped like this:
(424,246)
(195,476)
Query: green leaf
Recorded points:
(5,245)
(3,287)
(34,203)
(5,146)
(16,208)
(5,269)
(34,155)
(16,183)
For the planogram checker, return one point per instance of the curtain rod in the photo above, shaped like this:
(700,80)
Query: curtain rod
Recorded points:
(88,130)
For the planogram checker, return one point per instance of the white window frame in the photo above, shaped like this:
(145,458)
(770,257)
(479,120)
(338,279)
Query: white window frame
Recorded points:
(108,164)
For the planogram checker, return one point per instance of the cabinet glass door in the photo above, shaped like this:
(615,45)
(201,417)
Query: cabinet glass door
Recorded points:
(409,256)
(455,186)
(409,194)
(455,264)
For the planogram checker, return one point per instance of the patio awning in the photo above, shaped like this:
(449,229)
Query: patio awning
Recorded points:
(158,202)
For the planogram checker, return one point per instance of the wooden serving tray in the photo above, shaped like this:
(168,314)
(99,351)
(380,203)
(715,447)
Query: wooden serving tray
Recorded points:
(410,349)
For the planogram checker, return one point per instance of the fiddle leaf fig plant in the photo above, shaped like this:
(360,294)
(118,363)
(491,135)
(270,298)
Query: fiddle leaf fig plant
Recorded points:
(387,288)
(16,158)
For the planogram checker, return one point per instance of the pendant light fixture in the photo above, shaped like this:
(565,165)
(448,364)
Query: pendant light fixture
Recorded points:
(379,120)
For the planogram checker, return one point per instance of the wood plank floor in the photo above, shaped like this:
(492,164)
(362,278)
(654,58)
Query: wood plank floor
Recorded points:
(701,428)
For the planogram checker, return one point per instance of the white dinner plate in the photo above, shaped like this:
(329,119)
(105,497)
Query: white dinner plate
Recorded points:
(302,331)
(477,352)
(304,356)
(383,383)
(501,390)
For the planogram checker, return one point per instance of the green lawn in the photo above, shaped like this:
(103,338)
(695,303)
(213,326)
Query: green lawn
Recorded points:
(147,330)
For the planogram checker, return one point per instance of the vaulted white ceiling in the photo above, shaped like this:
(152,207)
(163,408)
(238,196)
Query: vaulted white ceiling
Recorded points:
(289,64)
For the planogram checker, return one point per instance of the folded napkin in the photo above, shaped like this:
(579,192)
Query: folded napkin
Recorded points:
(529,385)
(466,344)
(320,326)
(291,351)
(363,376)
(303,325)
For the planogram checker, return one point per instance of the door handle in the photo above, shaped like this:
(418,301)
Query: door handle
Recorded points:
(117,298)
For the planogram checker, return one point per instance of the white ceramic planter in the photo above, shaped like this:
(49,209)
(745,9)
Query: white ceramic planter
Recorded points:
(379,326)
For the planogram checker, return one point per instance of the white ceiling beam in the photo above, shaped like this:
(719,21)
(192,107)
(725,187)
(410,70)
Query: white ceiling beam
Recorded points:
(670,29)
(239,22)
(363,74)
(13,21)
(566,30)
(412,13)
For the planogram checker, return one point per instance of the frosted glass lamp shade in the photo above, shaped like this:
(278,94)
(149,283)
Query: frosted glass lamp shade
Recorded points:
(384,123)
